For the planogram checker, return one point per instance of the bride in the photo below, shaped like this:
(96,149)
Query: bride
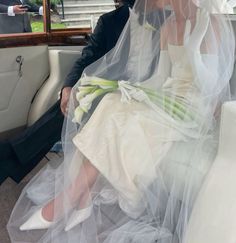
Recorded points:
(132,171)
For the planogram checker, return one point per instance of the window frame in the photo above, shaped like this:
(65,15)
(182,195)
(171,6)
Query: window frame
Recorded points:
(72,36)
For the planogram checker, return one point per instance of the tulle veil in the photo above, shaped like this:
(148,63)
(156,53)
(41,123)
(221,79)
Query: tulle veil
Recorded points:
(168,187)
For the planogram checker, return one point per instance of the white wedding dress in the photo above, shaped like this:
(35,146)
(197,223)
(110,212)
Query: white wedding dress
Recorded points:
(132,145)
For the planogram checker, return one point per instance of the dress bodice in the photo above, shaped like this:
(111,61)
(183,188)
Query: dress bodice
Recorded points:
(181,81)
(181,67)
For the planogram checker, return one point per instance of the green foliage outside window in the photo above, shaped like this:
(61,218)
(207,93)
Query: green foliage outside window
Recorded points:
(53,3)
(38,26)
(40,2)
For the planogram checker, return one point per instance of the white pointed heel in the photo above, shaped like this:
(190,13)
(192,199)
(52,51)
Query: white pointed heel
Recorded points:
(78,217)
(36,221)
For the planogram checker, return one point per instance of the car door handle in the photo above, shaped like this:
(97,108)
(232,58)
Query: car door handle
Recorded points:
(19,60)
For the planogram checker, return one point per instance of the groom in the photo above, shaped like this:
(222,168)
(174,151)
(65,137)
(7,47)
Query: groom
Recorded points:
(14,17)
(20,155)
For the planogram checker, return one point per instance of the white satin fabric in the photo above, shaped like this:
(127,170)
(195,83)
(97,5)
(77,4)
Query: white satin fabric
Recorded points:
(127,142)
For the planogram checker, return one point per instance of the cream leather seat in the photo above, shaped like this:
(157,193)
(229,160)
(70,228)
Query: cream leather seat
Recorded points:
(60,62)
(213,217)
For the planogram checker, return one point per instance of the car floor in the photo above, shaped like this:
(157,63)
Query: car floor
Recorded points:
(10,191)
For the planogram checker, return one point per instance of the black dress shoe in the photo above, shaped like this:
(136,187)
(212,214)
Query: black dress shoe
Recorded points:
(15,170)
(6,152)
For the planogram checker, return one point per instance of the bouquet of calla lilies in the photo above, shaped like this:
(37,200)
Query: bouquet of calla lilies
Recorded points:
(92,87)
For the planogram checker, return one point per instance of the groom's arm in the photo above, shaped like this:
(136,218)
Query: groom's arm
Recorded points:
(92,52)
(3,8)
(95,49)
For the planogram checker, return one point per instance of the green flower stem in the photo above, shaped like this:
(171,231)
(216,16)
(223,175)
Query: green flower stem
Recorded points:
(177,108)
(170,108)
(103,83)
(87,88)
(99,91)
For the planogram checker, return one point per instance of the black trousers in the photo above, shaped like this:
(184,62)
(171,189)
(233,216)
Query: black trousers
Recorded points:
(27,149)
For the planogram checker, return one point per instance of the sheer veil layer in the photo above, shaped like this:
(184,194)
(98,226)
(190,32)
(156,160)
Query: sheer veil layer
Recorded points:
(136,155)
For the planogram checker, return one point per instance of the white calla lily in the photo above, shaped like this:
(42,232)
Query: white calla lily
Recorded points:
(87,89)
(79,95)
(86,102)
(78,115)
(83,91)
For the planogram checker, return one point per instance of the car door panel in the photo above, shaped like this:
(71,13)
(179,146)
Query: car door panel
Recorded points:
(19,83)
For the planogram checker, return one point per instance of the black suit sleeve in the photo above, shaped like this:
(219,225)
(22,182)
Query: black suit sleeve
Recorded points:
(95,49)
(3,8)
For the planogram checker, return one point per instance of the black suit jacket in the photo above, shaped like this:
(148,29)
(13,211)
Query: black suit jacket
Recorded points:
(104,38)
(15,24)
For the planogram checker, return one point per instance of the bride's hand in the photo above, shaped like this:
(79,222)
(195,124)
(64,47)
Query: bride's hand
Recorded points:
(199,31)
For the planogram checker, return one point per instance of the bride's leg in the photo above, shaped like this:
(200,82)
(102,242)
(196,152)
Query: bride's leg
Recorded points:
(77,191)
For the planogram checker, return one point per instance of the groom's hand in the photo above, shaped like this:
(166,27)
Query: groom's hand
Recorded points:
(19,9)
(65,96)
